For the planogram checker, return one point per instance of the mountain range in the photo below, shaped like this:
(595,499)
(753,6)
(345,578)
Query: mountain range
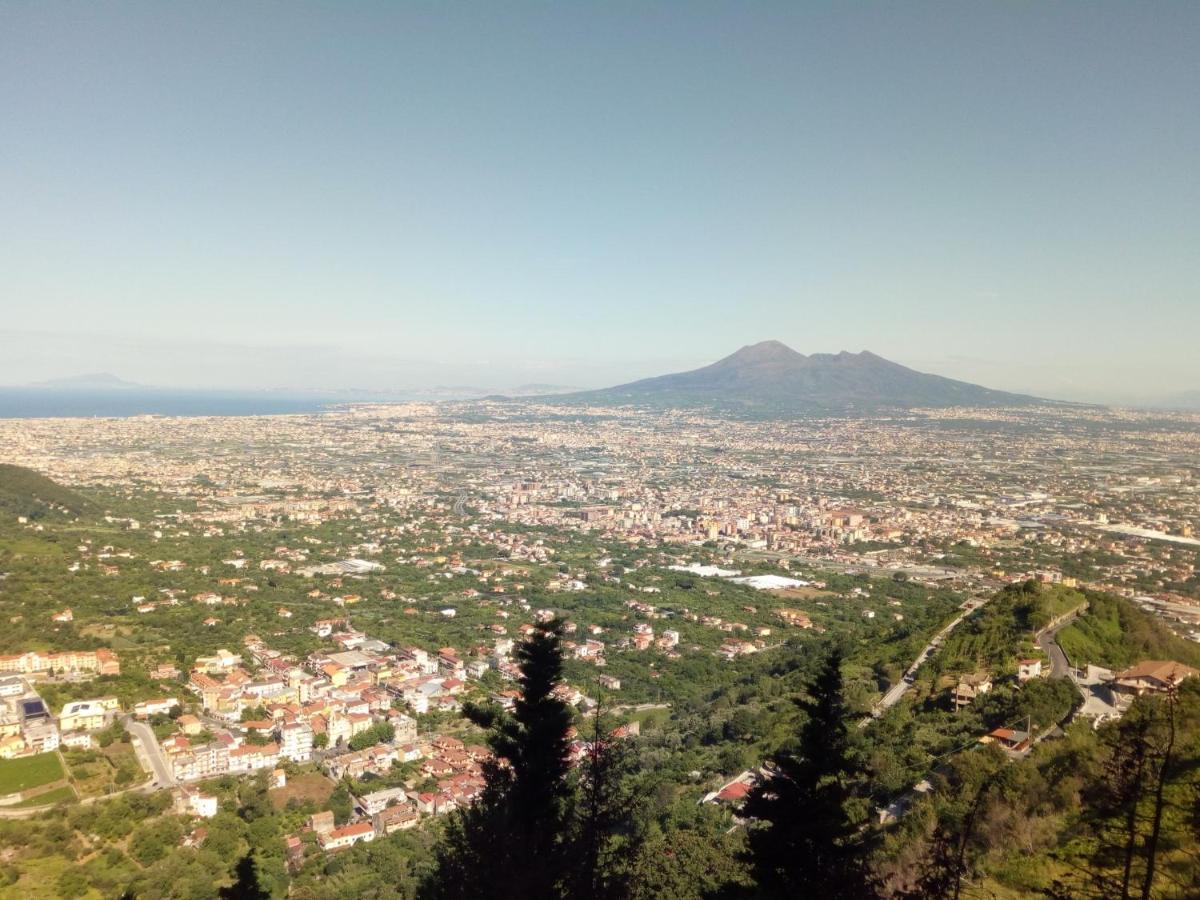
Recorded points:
(767,378)
(771,377)
(1188,401)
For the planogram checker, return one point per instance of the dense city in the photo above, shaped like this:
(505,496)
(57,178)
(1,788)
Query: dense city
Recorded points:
(298,611)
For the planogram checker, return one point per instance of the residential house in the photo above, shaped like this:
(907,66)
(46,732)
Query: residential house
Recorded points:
(1152,676)
(347,836)
(1028,669)
(969,689)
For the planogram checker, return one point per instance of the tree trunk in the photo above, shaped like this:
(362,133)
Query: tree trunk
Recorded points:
(1164,773)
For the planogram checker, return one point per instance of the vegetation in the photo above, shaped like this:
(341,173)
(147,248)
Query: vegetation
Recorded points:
(808,837)
(63,794)
(24,492)
(29,771)
(377,733)
(992,639)
(511,842)
(624,822)
(1080,817)
(1115,634)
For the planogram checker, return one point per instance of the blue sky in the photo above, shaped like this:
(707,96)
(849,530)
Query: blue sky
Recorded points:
(392,195)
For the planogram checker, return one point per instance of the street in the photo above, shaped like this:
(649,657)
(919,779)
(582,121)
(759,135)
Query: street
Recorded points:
(1059,666)
(898,690)
(150,752)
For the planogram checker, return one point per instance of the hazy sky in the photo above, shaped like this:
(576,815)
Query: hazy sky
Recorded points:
(390,195)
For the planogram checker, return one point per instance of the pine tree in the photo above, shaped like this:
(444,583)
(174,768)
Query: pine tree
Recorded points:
(246,886)
(1139,810)
(1167,762)
(603,840)
(1117,806)
(807,840)
(510,842)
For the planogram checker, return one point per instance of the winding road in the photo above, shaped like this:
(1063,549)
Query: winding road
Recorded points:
(1060,667)
(901,687)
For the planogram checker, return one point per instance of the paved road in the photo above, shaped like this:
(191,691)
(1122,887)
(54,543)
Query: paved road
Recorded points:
(901,687)
(460,504)
(1059,667)
(26,811)
(151,752)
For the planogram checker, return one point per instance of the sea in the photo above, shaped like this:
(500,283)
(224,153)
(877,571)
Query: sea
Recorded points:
(43,403)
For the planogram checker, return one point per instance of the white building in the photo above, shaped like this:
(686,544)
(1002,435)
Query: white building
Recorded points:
(296,742)
(191,802)
(250,757)
(348,836)
(378,801)
(1028,669)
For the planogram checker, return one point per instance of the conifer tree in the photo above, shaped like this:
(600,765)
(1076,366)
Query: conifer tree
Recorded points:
(510,842)
(246,886)
(604,839)
(806,840)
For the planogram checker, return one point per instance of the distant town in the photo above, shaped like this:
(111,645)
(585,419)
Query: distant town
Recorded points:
(309,600)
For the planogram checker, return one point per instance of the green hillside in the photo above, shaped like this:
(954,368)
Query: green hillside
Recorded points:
(1114,633)
(24,492)
(992,639)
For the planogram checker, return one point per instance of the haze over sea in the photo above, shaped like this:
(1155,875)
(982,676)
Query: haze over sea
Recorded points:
(30,402)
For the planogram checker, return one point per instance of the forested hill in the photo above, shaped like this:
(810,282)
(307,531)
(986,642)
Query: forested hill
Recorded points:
(24,492)
(1112,632)
(994,638)
(1116,634)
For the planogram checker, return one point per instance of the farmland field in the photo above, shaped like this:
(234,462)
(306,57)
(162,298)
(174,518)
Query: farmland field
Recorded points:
(29,771)
(310,786)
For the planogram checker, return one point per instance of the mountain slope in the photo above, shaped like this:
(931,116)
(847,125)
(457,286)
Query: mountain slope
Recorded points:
(24,492)
(772,377)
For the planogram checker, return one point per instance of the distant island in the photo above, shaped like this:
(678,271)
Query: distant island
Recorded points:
(92,381)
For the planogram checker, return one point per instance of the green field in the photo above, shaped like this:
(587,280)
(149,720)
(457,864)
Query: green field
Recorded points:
(649,718)
(64,794)
(28,545)
(29,771)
